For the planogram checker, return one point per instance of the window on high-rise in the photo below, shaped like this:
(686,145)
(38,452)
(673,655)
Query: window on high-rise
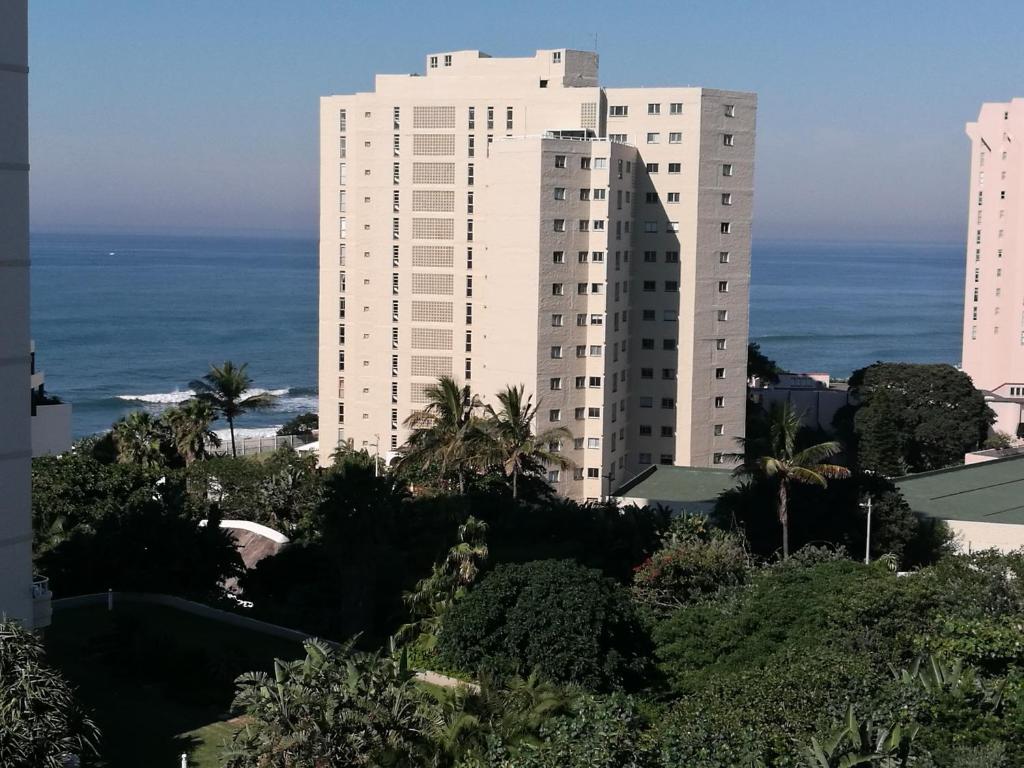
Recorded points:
(728,140)
(675,108)
(654,109)
(618,111)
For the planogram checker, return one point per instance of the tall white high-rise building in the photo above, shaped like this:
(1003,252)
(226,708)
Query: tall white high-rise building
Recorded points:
(15,391)
(509,221)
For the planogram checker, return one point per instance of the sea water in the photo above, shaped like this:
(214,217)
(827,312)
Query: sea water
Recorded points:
(123,322)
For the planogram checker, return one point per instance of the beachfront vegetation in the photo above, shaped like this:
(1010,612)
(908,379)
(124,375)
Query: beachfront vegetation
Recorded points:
(305,424)
(227,389)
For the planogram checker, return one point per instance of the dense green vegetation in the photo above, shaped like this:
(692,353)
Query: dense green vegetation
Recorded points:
(569,623)
(912,418)
(41,724)
(596,637)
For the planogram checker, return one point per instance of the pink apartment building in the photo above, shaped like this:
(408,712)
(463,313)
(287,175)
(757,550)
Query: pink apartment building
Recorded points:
(993,334)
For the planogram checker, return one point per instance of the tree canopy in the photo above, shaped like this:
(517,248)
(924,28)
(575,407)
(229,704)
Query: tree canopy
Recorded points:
(913,418)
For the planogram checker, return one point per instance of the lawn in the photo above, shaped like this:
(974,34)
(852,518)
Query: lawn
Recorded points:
(158,681)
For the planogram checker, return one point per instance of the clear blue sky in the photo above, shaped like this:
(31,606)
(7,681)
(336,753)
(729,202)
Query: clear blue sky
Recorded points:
(201,115)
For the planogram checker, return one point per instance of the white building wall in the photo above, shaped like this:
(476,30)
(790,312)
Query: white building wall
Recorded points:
(15,434)
(483,211)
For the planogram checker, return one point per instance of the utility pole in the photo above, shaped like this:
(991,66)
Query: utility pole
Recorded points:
(609,476)
(866,505)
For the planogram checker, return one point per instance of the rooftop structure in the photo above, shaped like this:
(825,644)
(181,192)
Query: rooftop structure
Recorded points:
(983,503)
(689,489)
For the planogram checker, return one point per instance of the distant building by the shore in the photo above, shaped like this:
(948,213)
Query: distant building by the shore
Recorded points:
(815,397)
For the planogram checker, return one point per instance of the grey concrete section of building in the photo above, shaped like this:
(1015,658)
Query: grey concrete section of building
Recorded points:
(15,409)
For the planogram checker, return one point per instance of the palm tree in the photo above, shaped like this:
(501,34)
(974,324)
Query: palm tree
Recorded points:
(189,425)
(137,439)
(773,456)
(445,433)
(512,442)
(448,582)
(225,389)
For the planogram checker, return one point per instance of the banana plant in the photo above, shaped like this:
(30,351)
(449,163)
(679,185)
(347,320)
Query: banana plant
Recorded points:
(855,743)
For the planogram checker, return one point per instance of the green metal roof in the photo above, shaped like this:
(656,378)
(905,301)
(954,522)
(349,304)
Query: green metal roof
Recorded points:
(684,485)
(988,492)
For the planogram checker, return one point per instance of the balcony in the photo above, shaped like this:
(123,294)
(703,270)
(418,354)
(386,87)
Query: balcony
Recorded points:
(42,610)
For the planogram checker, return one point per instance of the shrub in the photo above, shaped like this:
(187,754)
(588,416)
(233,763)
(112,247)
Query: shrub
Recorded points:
(599,732)
(690,568)
(41,726)
(332,708)
(569,623)
(763,711)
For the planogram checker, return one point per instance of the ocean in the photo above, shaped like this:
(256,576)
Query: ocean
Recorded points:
(123,322)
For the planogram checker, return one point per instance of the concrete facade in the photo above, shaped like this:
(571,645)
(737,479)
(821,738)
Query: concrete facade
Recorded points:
(51,419)
(993,331)
(15,433)
(508,221)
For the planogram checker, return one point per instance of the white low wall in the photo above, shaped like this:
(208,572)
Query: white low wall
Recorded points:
(972,536)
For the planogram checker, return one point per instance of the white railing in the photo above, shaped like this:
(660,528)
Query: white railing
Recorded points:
(40,587)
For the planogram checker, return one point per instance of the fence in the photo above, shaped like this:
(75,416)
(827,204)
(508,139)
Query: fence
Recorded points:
(252,446)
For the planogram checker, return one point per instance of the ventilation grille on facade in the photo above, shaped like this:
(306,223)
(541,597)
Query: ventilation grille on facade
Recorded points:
(433,255)
(432,311)
(431,338)
(588,116)
(433,229)
(418,393)
(433,173)
(433,200)
(432,282)
(431,365)
(433,144)
(433,117)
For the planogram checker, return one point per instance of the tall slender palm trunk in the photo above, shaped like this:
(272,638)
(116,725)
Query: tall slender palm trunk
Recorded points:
(515,484)
(231,426)
(784,516)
